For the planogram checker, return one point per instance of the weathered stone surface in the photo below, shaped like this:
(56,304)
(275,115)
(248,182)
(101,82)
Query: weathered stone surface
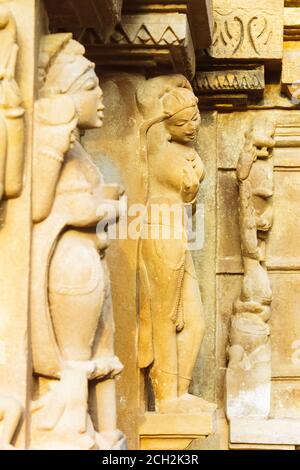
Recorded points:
(265,431)
(248,264)
(151,40)
(227,86)
(228,289)
(285,398)
(247,30)
(169,431)
(201,21)
(79,15)
(285,327)
(228,241)
(15,233)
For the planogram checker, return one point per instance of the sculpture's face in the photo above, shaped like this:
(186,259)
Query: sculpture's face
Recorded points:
(88,100)
(183,127)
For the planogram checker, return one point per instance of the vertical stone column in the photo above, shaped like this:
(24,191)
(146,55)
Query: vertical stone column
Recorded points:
(15,232)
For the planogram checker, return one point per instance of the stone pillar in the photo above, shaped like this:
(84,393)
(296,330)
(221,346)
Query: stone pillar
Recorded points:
(15,233)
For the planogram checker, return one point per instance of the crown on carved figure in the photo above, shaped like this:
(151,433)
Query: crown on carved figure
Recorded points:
(61,64)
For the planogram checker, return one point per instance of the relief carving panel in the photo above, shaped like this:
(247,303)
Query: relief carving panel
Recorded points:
(250,30)
(71,309)
(248,378)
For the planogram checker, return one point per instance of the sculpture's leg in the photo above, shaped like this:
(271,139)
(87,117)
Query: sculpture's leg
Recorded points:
(107,409)
(189,340)
(162,260)
(110,437)
(10,412)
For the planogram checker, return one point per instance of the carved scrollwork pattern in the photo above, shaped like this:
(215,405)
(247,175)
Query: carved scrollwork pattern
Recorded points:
(240,34)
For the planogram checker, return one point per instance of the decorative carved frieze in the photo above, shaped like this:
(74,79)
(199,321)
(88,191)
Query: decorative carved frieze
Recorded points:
(75,15)
(147,40)
(229,86)
(247,30)
(200,15)
(151,34)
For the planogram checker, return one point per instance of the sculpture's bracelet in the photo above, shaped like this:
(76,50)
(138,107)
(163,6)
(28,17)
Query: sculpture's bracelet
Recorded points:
(51,154)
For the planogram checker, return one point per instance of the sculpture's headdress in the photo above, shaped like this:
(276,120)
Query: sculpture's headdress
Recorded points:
(61,64)
(10,95)
(177,100)
(158,99)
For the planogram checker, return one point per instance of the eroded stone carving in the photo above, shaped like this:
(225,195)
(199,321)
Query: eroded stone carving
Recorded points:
(72,318)
(11,110)
(149,38)
(238,80)
(170,308)
(235,86)
(247,30)
(248,380)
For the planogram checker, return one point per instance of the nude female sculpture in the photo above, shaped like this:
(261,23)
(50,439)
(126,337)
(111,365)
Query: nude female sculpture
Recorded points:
(171,311)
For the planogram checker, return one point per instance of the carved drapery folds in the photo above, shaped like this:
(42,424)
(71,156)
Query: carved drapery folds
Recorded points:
(170,308)
(11,110)
(248,379)
(72,318)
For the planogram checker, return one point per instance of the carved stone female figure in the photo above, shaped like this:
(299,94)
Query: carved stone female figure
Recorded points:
(72,318)
(11,110)
(171,312)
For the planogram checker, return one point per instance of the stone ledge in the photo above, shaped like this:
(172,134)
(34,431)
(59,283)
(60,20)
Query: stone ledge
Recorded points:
(174,431)
(265,431)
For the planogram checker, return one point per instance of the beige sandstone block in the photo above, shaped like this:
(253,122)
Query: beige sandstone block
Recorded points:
(283,251)
(285,324)
(77,15)
(204,373)
(172,431)
(285,398)
(247,30)
(201,20)
(260,447)
(228,290)
(290,63)
(265,431)
(228,240)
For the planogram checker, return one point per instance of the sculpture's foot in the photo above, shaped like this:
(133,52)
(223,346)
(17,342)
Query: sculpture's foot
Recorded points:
(111,440)
(186,403)
(7,447)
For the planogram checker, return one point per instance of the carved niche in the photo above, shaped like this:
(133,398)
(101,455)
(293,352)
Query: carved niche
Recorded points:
(71,309)
(171,322)
(248,378)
